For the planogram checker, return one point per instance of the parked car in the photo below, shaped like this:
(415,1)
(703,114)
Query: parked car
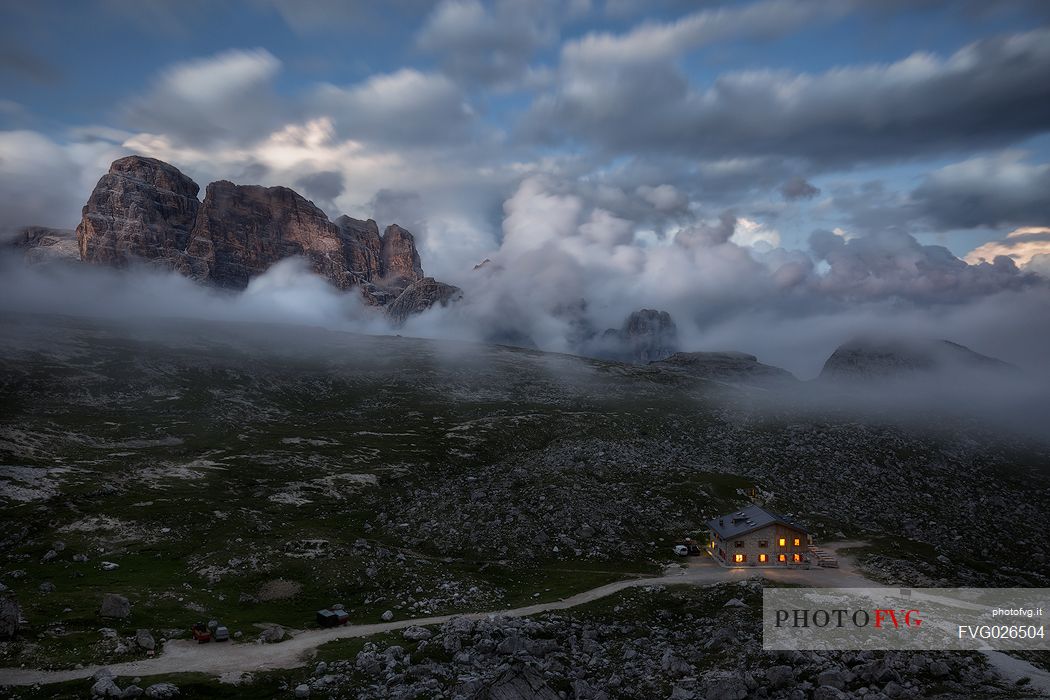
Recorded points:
(222,634)
(681,550)
(201,633)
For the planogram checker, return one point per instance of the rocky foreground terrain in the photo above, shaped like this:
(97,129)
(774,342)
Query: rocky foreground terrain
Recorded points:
(159,473)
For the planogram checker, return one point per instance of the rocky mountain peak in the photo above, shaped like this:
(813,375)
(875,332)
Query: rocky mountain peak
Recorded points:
(155,173)
(869,358)
(400,260)
(649,335)
(144,209)
(141,210)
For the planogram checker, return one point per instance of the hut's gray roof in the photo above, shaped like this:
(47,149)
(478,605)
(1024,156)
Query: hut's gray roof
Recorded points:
(749,519)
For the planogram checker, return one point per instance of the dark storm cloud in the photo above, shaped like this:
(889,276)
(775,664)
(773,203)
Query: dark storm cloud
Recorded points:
(992,192)
(991,92)
(798,188)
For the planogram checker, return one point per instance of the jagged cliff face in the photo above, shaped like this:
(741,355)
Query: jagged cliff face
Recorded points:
(145,210)
(361,246)
(241,230)
(141,210)
(401,265)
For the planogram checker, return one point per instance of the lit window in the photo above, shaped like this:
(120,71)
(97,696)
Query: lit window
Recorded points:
(763,558)
(798,541)
(782,557)
(782,541)
(796,558)
(738,558)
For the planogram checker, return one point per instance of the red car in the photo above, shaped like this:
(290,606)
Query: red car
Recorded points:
(201,633)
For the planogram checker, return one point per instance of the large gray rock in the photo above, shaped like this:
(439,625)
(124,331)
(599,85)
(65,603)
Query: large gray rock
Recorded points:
(827,692)
(416,633)
(521,684)
(10,616)
(114,605)
(272,634)
(832,677)
(162,691)
(780,676)
(724,685)
(145,640)
(105,688)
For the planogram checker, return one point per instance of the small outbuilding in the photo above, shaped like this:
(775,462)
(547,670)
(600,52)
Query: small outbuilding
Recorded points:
(327,618)
(754,536)
(332,617)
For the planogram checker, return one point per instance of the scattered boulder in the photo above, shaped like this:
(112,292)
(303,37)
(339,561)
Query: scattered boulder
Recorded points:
(302,691)
(939,669)
(833,678)
(521,684)
(145,640)
(725,685)
(114,605)
(272,634)
(162,691)
(105,688)
(10,617)
(416,633)
(780,676)
(387,616)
